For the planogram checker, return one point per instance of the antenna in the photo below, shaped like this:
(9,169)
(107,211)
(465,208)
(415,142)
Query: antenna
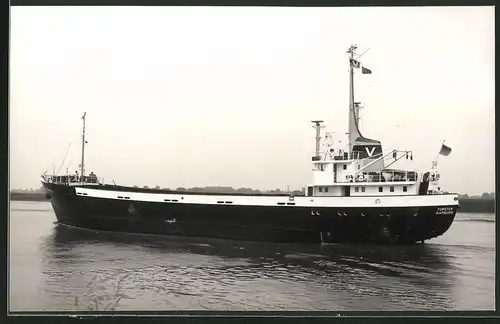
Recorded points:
(318,127)
(82,166)
(352,50)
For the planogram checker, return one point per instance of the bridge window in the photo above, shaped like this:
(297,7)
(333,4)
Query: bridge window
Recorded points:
(345,166)
(405,188)
(320,189)
(362,189)
(356,189)
(380,189)
(326,189)
(391,189)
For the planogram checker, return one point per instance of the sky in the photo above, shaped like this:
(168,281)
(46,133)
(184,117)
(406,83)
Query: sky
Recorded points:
(222,96)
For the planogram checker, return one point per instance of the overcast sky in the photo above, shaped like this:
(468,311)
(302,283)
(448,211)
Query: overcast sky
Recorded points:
(224,96)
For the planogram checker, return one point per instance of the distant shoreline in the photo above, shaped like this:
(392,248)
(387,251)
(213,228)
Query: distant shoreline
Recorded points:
(467,205)
(27,196)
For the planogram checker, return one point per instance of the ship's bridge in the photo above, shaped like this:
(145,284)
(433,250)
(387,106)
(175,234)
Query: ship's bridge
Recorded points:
(335,172)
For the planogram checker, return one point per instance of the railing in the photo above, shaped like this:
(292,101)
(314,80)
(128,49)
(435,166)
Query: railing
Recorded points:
(345,156)
(384,176)
(71,179)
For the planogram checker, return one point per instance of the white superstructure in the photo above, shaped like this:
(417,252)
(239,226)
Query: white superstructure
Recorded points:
(361,168)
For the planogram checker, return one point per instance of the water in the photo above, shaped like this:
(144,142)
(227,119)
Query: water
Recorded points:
(62,269)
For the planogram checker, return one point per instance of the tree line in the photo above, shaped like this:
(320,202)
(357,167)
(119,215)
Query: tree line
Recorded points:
(485,195)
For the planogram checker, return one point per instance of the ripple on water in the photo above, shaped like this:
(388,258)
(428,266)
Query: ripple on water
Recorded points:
(71,270)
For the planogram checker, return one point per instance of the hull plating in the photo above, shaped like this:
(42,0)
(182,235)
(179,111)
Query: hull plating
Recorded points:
(384,225)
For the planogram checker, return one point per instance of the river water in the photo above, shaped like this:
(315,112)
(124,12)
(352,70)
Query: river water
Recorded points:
(53,268)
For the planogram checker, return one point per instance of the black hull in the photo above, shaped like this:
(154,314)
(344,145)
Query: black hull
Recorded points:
(382,225)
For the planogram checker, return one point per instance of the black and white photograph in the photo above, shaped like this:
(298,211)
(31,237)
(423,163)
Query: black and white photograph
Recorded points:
(220,158)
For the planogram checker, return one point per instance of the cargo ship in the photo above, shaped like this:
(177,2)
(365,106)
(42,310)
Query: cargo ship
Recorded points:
(355,196)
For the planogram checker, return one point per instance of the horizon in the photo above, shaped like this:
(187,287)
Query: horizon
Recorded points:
(197,96)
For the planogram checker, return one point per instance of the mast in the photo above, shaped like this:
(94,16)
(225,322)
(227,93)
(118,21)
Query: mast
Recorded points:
(353,132)
(82,166)
(318,127)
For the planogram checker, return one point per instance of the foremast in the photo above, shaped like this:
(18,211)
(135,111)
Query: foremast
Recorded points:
(82,165)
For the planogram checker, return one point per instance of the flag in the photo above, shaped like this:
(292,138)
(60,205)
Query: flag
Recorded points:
(365,70)
(354,63)
(445,150)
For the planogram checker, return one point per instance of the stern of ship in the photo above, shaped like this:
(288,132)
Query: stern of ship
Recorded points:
(390,224)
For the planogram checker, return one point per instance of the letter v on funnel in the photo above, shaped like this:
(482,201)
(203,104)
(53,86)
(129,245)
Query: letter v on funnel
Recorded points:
(370,152)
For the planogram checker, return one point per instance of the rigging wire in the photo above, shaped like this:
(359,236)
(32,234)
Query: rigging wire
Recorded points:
(70,160)
(54,162)
(65,155)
